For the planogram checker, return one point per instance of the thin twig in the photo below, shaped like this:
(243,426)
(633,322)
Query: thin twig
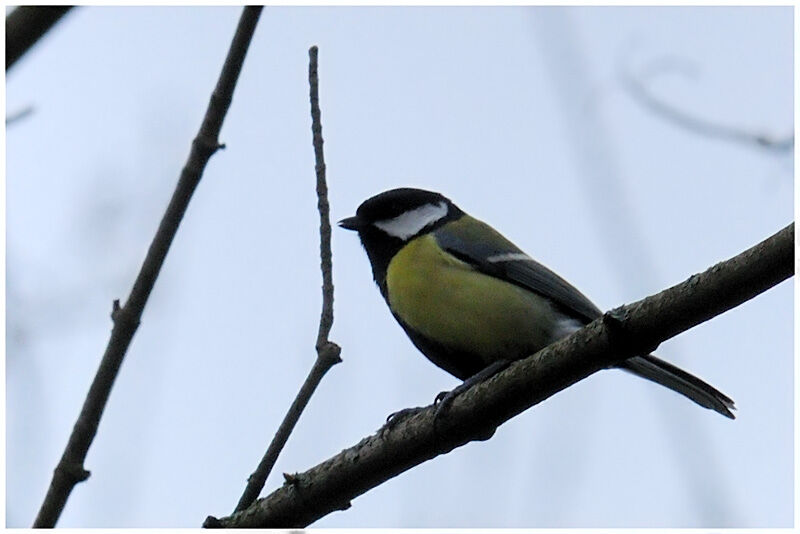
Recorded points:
(70,469)
(26,25)
(638,90)
(326,320)
(475,414)
(327,351)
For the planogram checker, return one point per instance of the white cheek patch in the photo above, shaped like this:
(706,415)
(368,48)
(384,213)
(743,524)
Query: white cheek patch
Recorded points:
(408,224)
(508,256)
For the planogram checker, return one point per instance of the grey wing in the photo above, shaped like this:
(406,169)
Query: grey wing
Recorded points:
(480,245)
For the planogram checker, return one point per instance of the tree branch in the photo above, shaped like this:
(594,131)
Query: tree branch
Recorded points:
(474,415)
(327,351)
(70,470)
(326,319)
(26,25)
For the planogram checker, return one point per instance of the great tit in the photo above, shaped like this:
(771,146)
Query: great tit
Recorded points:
(469,298)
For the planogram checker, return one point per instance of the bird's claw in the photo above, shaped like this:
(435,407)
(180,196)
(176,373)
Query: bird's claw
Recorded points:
(395,418)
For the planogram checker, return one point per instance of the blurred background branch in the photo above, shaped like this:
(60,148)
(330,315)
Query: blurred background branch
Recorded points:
(635,256)
(638,87)
(19,115)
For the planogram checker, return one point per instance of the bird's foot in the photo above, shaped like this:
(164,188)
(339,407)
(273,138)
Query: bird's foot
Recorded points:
(396,417)
(445,399)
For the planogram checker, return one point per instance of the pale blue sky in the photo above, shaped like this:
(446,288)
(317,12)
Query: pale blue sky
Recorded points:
(519,116)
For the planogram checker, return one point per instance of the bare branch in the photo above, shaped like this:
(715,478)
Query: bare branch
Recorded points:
(70,470)
(637,88)
(621,333)
(326,320)
(26,25)
(327,351)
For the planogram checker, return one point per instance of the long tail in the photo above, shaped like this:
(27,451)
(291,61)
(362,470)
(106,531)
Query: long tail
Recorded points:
(680,381)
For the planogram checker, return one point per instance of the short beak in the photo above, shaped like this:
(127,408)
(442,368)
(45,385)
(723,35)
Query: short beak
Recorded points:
(351,223)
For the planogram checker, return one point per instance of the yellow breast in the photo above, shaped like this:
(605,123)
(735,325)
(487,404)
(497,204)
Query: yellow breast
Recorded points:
(446,300)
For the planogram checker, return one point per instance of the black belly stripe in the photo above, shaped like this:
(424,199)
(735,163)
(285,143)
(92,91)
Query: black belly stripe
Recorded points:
(458,363)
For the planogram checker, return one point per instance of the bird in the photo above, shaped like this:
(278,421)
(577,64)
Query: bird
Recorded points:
(471,301)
